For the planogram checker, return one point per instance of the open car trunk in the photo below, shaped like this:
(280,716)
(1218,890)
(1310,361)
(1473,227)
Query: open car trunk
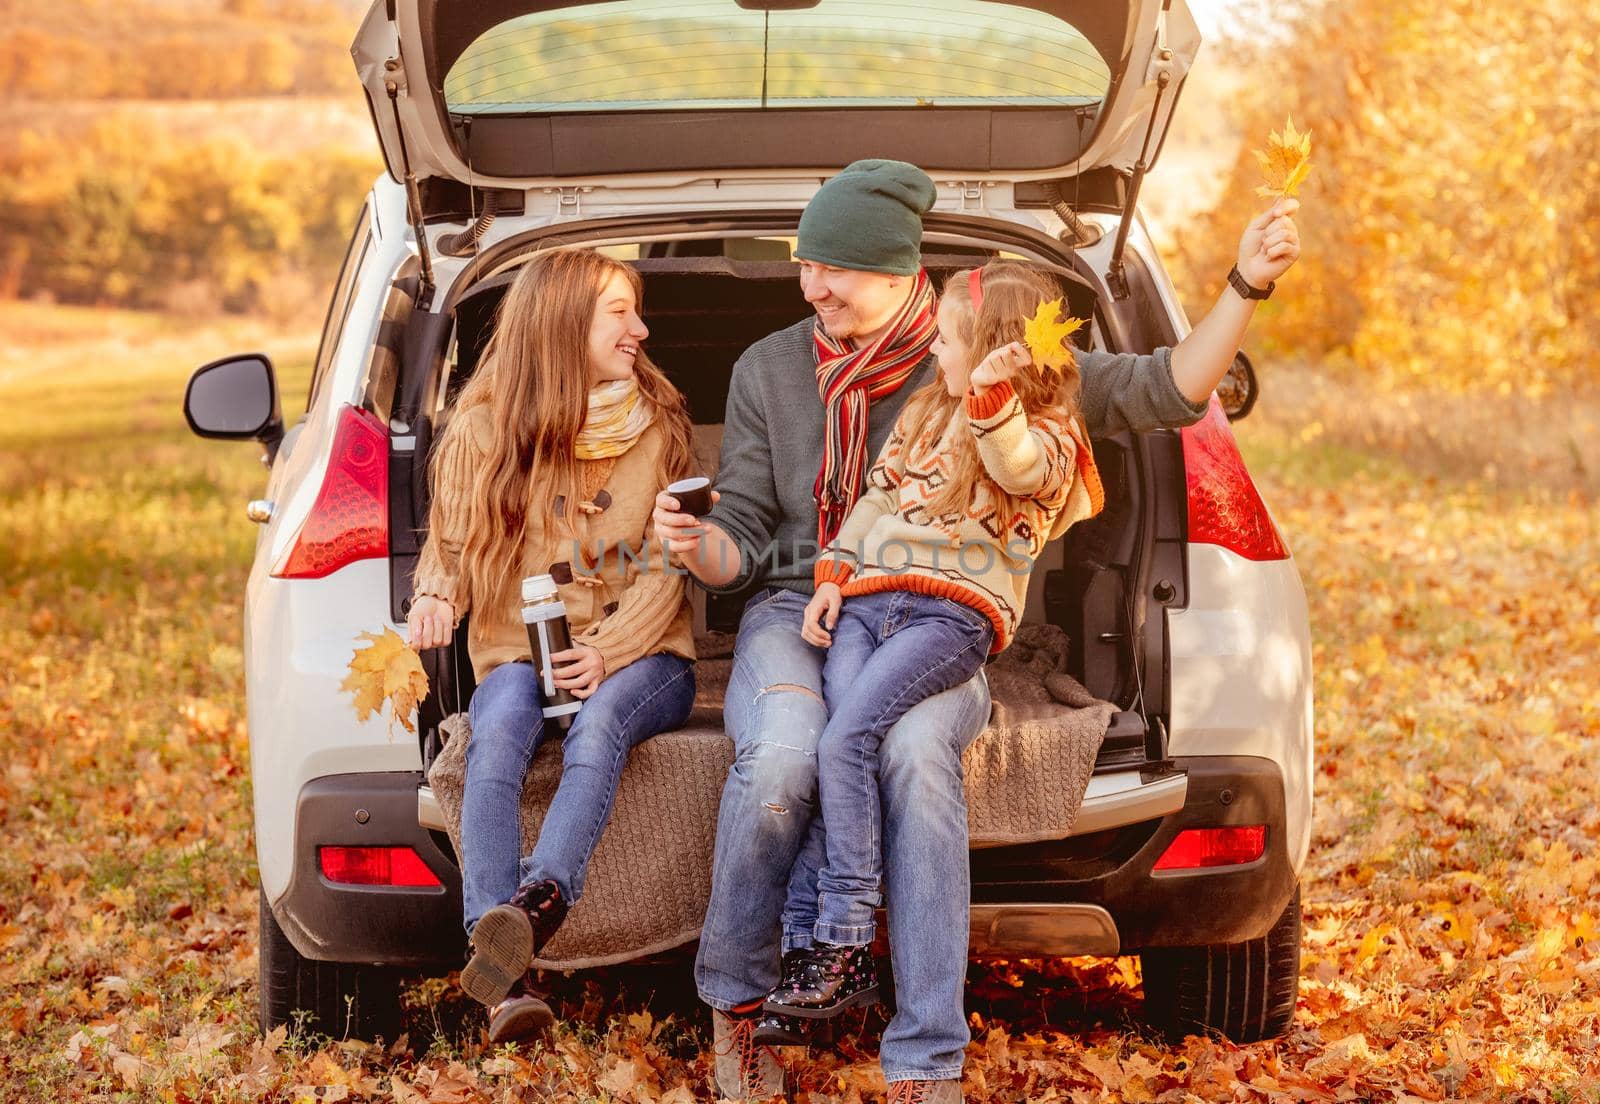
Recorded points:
(1048,735)
(704,309)
(526,93)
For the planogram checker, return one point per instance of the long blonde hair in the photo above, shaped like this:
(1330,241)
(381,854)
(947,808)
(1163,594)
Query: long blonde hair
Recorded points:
(1012,293)
(534,378)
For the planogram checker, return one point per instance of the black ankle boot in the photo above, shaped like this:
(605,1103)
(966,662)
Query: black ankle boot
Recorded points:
(545,908)
(782,1030)
(829,979)
(508,938)
(774,1030)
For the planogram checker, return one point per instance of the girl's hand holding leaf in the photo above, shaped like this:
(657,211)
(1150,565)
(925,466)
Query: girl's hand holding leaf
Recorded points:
(999,366)
(386,671)
(430,624)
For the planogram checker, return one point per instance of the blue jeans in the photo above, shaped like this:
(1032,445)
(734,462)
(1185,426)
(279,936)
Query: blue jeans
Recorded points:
(890,651)
(648,696)
(767,826)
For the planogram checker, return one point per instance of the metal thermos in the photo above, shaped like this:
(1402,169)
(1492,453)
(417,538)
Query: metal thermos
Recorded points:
(545,615)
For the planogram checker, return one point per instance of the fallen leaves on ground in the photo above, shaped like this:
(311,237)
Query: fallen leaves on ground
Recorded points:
(1450,892)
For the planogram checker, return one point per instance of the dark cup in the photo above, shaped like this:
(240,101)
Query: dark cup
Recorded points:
(693,495)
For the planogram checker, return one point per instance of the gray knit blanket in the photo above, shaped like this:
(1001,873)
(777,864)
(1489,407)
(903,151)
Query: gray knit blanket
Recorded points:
(651,876)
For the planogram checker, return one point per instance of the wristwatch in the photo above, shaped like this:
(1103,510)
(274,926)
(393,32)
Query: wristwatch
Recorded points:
(1237,282)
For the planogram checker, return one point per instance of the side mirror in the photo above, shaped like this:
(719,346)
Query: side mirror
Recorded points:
(235,399)
(1238,388)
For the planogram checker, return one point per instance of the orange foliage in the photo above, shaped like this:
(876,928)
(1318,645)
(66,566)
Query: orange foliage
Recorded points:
(129,216)
(80,50)
(1452,230)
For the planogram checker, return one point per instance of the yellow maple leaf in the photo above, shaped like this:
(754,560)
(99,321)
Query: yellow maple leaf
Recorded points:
(387,670)
(1046,337)
(1286,161)
(1582,931)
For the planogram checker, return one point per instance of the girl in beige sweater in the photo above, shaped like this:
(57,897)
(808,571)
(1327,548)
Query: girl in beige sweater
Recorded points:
(550,465)
(926,578)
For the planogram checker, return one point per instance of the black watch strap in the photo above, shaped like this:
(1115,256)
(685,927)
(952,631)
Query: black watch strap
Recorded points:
(1237,281)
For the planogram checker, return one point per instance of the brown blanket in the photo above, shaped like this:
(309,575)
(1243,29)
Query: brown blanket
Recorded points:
(651,875)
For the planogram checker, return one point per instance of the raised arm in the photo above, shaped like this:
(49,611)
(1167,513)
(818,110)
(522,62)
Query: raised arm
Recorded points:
(1270,245)
(1171,387)
(1028,460)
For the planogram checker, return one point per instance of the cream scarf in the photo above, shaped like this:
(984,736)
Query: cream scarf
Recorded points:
(616,418)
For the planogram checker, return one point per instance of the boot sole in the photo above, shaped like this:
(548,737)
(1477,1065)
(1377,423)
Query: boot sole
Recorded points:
(861,997)
(530,1019)
(502,946)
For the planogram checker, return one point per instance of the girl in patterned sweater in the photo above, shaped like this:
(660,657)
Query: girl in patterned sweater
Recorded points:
(926,578)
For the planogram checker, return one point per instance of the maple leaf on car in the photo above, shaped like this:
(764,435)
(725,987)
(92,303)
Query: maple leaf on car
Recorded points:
(387,670)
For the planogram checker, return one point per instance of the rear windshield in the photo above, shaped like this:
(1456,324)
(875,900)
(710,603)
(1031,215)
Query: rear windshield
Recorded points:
(669,54)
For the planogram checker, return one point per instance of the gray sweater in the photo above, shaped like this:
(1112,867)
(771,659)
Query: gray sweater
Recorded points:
(773,431)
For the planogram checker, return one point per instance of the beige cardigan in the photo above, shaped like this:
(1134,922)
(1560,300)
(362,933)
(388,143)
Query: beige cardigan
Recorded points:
(623,598)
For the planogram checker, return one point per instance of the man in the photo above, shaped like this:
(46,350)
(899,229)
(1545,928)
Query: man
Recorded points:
(830,387)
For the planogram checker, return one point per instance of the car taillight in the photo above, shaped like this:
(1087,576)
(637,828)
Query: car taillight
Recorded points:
(1199,847)
(1224,507)
(350,519)
(380,866)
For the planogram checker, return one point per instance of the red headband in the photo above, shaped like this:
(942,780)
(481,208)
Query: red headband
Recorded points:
(975,286)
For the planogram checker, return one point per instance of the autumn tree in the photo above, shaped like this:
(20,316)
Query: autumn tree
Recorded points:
(1452,223)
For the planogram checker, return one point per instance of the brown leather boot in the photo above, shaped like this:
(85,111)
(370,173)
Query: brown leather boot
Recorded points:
(742,1069)
(522,1016)
(925,1092)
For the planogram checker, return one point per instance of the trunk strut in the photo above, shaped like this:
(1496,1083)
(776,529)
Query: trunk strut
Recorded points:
(1116,277)
(391,84)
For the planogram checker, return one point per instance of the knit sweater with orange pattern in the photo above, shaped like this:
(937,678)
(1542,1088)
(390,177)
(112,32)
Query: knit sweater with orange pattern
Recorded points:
(982,555)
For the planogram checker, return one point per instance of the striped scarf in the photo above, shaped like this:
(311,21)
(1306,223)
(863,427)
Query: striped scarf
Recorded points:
(848,379)
(615,420)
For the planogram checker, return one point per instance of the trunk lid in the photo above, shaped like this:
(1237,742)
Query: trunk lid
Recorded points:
(529,93)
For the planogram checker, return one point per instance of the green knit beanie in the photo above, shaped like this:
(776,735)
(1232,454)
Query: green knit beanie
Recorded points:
(868,218)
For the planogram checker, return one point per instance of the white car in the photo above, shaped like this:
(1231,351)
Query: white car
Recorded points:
(686,137)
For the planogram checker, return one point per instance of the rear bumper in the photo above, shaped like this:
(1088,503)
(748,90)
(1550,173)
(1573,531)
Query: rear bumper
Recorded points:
(1099,893)
(392,925)
(1091,894)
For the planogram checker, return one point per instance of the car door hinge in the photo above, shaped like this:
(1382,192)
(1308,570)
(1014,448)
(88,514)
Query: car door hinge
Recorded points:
(970,193)
(569,204)
(394,76)
(1162,58)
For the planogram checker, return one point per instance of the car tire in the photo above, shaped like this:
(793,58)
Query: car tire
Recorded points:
(1246,991)
(337,999)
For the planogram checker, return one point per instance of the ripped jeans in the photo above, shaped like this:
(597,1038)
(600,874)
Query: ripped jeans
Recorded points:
(768,826)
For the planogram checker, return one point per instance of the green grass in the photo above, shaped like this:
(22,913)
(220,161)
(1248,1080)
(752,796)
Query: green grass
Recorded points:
(125,791)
